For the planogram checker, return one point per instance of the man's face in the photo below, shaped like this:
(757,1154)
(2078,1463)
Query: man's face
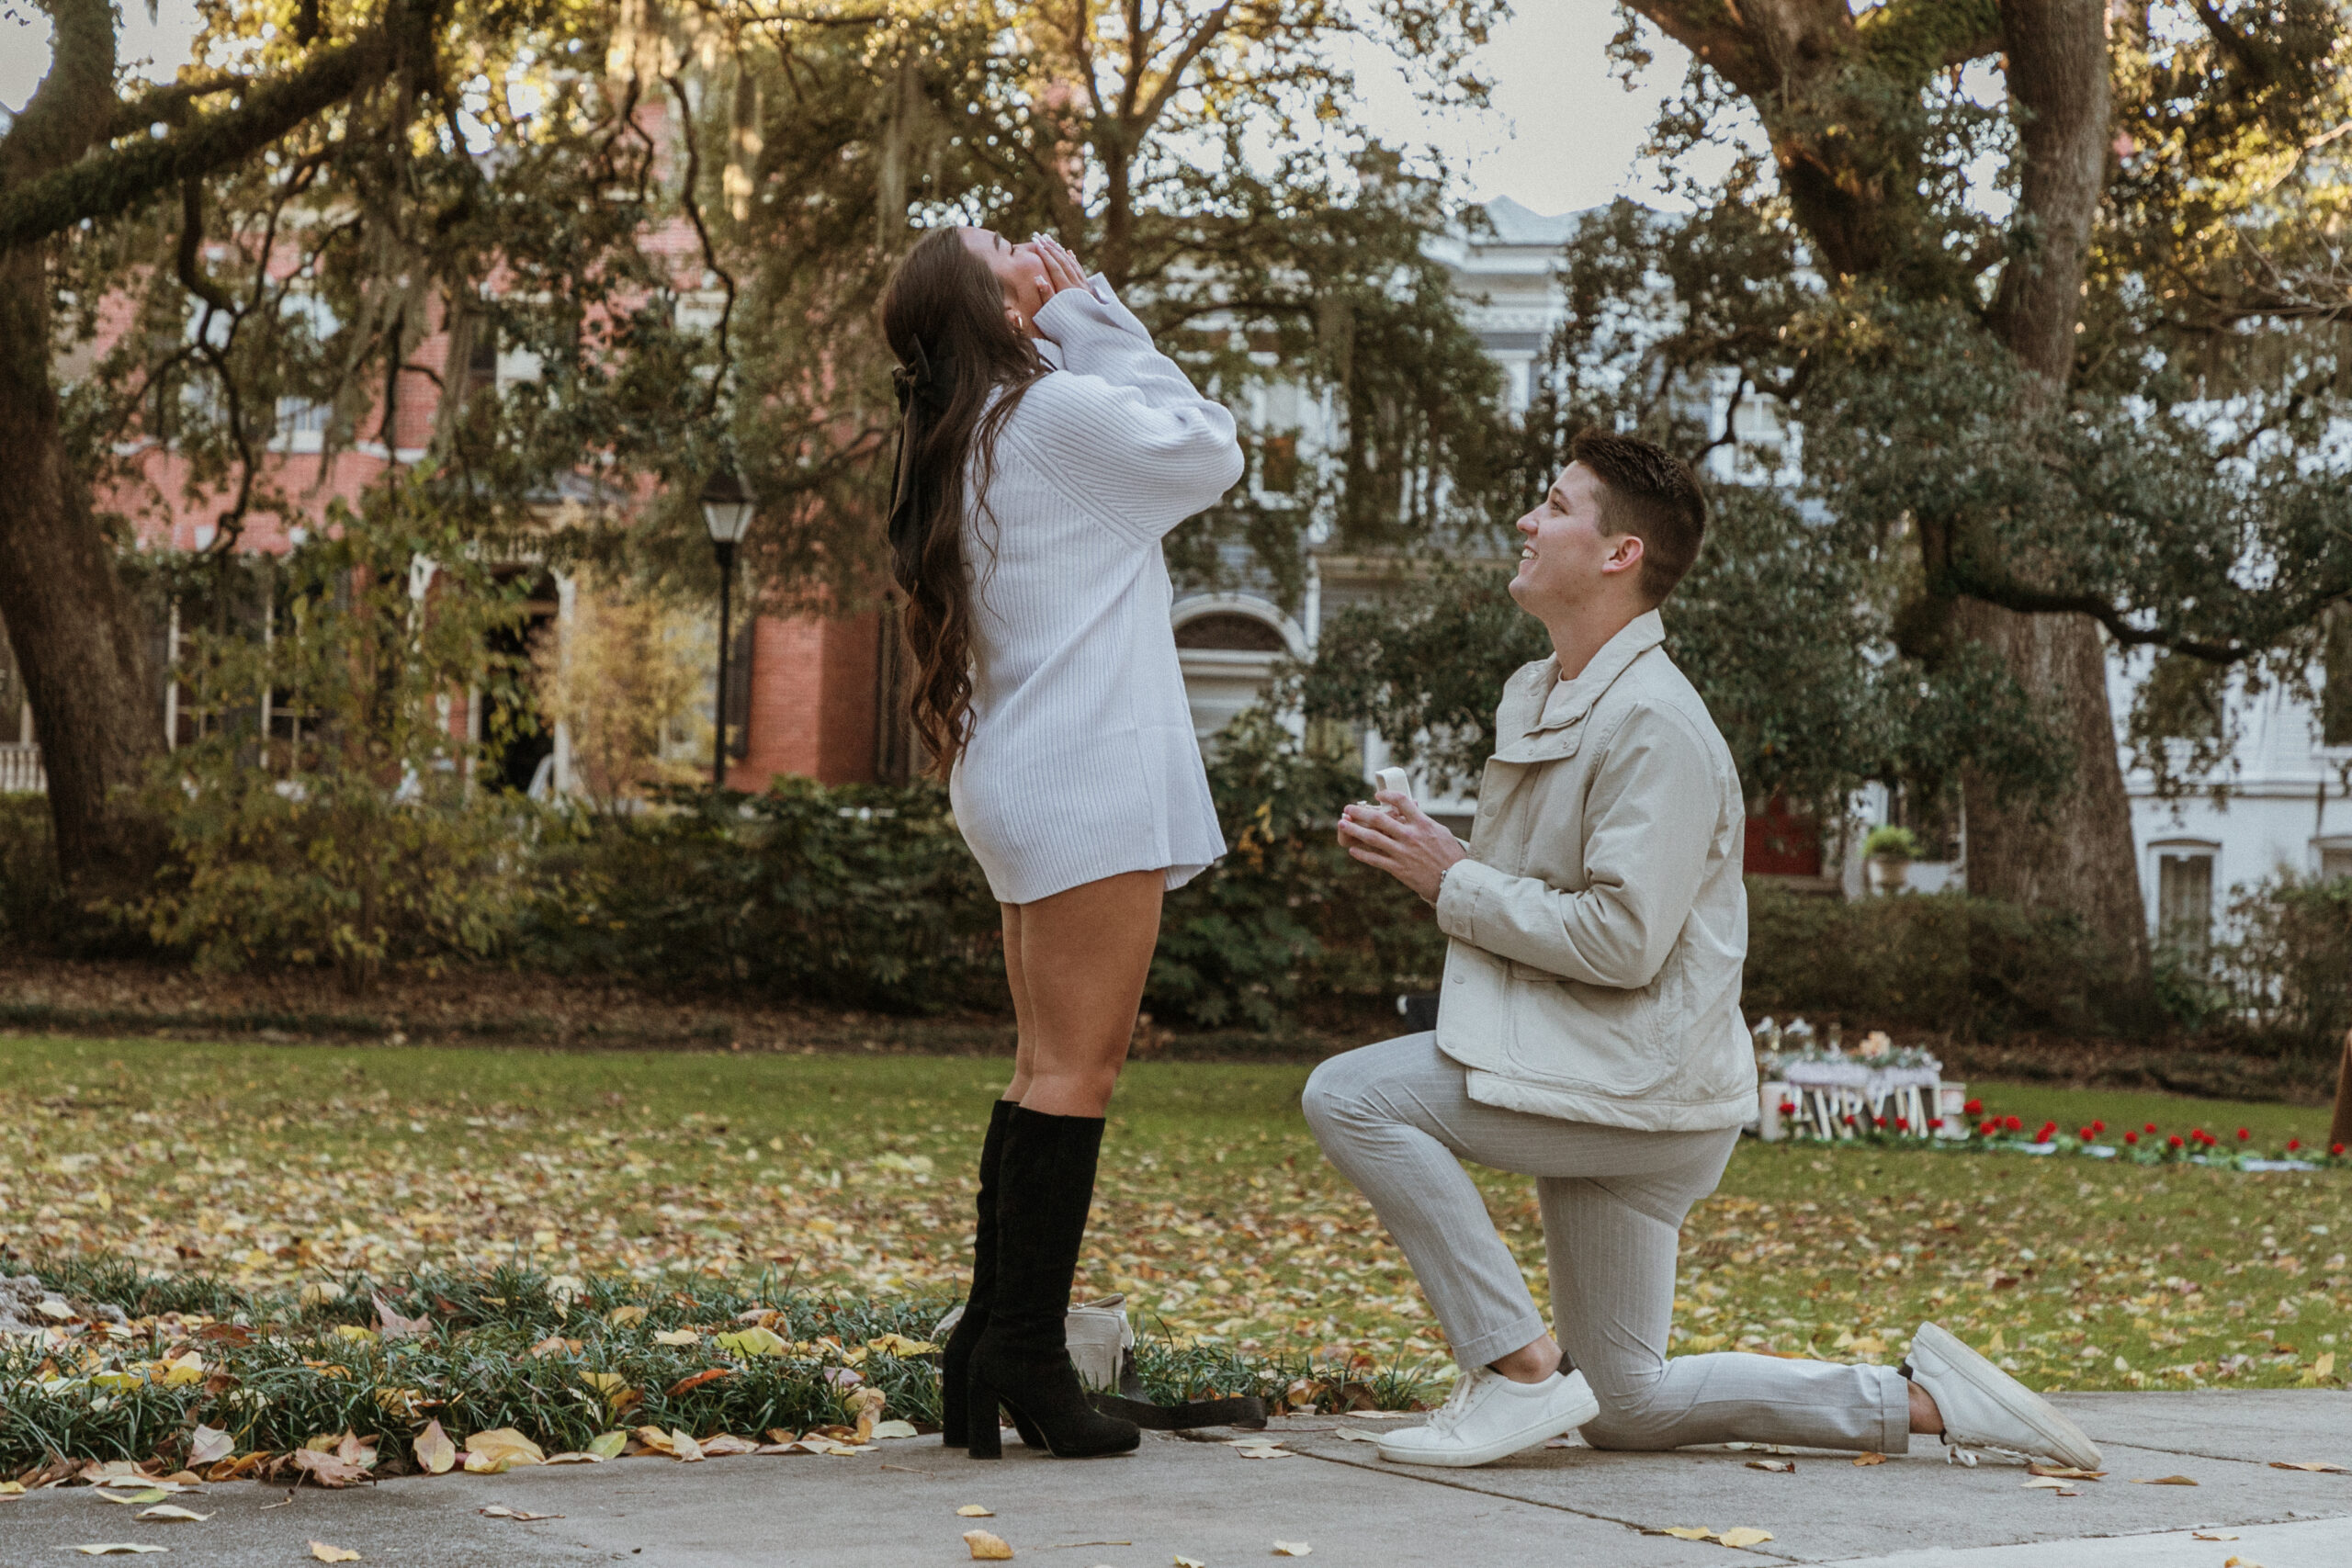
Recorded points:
(1568,557)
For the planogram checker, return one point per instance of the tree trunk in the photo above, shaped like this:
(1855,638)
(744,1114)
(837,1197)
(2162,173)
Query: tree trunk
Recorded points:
(2074,853)
(74,628)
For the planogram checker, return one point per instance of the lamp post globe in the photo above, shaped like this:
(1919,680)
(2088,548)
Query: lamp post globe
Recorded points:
(727,510)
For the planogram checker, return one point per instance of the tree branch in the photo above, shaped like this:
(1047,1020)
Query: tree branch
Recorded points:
(110,182)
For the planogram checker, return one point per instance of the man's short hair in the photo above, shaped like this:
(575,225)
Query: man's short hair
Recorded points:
(1651,494)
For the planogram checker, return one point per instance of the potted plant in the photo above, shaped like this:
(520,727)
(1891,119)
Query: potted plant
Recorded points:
(1891,851)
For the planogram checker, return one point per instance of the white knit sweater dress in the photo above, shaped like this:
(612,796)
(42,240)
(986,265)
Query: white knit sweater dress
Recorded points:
(1080,763)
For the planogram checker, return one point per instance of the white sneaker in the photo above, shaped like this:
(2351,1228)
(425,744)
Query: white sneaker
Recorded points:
(1983,1407)
(1489,1416)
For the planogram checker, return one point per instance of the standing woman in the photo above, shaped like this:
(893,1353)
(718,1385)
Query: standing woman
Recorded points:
(1047,449)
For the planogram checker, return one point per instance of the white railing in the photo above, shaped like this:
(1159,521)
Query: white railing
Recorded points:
(20,771)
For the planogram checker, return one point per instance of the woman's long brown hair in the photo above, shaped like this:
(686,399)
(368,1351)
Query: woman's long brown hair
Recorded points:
(942,315)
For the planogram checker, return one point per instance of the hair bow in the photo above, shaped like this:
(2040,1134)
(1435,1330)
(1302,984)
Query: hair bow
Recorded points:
(923,389)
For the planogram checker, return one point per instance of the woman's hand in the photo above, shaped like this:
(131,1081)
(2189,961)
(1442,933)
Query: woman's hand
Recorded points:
(1403,842)
(1057,270)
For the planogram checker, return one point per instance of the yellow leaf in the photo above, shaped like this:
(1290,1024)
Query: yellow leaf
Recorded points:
(2164,1480)
(353,1332)
(171,1511)
(895,1429)
(188,1369)
(608,1445)
(1688,1532)
(1746,1535)
(501,1447)
(677,1337)
(684,1447)
(12,1488)
(621,1317)
(433,1449)
(727,1443)
(1185,1562)
(986,1548)
(1777,1466)
(1860,1460)
(657,1439)
(974,1511)
(900,1345)
(1293,1549)
(1996,1345)
(749,1342)
(152,1494)
(2241,1562)
(327,1554)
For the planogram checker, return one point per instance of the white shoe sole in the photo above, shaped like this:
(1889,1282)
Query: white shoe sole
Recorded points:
(1462,1457)
(2064,1442)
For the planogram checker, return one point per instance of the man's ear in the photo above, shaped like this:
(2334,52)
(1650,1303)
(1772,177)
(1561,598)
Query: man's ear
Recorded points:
(1625,555)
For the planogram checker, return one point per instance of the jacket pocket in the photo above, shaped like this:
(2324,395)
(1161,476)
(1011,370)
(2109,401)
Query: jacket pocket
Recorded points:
(1592,1038)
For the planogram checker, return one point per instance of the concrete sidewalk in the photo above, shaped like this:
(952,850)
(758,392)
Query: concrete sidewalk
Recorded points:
(896,1507)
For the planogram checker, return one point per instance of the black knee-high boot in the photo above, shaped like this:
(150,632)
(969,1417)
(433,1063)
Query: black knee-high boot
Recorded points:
(1044,1188)
(955,1361)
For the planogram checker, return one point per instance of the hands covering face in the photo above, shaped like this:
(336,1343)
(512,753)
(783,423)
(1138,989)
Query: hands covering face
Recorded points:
(1056,269)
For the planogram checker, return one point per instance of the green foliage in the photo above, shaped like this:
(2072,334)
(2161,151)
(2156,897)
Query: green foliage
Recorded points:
(33,908)
(862,895)
(1287,914)
(323,813)
(2287,965)
(1941,961)
(293,1377)
(1887,839)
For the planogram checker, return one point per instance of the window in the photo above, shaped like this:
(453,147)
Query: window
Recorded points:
(2335,859)
(2184,900)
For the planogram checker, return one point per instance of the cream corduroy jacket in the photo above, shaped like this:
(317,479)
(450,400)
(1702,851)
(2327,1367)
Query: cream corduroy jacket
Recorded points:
(1599,925)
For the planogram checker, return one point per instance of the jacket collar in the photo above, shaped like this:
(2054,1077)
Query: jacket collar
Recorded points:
(1532,727)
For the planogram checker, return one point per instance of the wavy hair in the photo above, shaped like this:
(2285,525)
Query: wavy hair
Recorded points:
(942,315)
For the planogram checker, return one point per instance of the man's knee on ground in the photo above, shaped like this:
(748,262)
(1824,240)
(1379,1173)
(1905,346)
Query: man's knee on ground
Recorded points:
(1631,1419)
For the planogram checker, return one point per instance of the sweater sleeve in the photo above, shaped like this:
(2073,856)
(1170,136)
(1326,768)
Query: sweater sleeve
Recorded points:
(1120,428)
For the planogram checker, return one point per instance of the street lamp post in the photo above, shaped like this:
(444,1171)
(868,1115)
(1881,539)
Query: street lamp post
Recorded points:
(726,512)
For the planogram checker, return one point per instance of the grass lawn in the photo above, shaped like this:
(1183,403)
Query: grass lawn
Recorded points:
(271,1164)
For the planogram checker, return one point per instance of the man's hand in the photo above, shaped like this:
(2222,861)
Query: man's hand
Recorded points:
(1402,841)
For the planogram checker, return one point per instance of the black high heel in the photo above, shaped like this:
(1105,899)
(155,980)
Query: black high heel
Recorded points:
(1021,1361)
(955,1359)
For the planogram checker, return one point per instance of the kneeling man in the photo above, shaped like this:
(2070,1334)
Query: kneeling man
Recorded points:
(1589,1034)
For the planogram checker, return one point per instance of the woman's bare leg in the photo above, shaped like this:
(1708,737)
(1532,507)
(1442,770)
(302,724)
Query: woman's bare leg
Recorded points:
(1084,955)
(1025,1049)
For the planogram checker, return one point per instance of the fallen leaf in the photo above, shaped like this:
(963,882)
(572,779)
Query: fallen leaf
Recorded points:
(2319,1466)
(326,1469)
(327,1554)
(1860,1460)
(677,1337)
(393,1326)
(1779,1466)
(1255,1452)
(108,1548)
(433,1449)
(209,1444)
(1185,1562)
(900,1345)
(171,1511)
(1293,1549)
(502,1447)
(150,1494)
(2201,1535)
(2062,1471)
(608,1445)
(574,1458)
(1685,1532)
(1380,1415)
(753,1342)
(682,1446)
(728,1443)
(554,1344)
(2045,1484)
(708,1374)
(2164,1480)
(1745,1535)
(1347,1437)
(501,1511)
(974,1511)
(621,1317)
(986,1548)
(657,1439)
(2241,1562)
(895,1429)
(12,1488)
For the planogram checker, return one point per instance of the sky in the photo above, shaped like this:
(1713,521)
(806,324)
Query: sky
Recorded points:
(1562,133)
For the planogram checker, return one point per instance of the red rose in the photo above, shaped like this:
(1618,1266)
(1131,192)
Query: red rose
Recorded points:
(1788,1106)
(2083,1134)
(1935,1122)
(2098,1126)
(2014,1125)
(2294,1144)
(2337,1149)
(2244,1134)
(1973,1106)
(2130,1138)
(2175,1140)
(1850,1119)
(1901,1124)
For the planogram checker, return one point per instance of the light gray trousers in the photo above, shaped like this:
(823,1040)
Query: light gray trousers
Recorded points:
(1396,1118)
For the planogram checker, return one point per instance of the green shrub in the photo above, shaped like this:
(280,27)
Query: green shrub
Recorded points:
(1941,960)
(862,895)
(2286,967)
(335,824)
(1887,839)
(1286,915)
(32,903)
